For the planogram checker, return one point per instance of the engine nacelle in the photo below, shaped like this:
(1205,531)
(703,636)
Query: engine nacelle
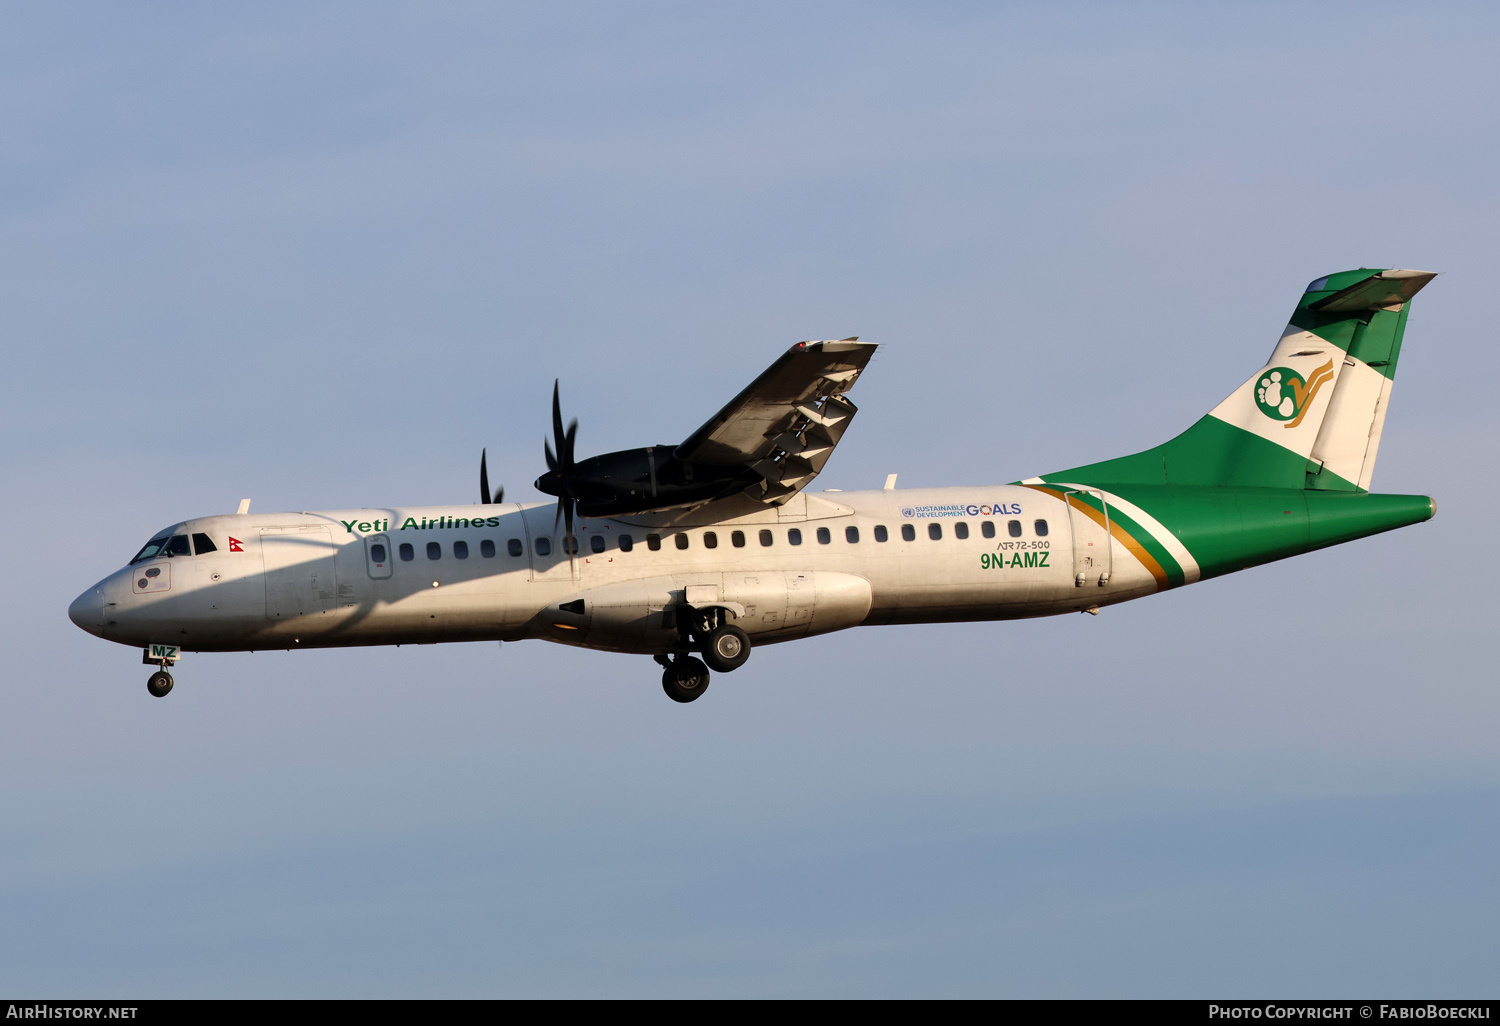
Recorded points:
(642,481)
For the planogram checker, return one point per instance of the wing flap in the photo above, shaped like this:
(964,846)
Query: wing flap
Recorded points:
(779,405)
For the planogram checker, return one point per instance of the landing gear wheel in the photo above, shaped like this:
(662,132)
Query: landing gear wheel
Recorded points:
(726,648)
(684,679)
(159,683)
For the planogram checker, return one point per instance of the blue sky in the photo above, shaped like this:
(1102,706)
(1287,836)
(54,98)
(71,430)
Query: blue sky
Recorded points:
(320,254)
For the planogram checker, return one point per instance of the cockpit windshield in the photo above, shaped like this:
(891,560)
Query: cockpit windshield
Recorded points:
(170,544)
(152,548)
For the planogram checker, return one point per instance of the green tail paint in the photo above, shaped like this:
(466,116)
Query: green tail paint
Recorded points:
(1283,465)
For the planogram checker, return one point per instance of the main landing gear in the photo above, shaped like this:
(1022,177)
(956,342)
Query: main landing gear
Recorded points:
(684,678)
(724,646)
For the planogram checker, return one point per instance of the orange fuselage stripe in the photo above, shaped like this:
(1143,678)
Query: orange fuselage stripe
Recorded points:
(1116,531)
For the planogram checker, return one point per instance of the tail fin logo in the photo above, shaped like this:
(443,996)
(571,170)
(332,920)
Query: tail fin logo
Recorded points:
(1283,394)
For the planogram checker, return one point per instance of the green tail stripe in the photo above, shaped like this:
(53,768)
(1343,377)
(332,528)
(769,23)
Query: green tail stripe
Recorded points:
(1229,529)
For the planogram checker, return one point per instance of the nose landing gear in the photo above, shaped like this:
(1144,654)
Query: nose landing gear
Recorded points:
(160,656)
(159,683)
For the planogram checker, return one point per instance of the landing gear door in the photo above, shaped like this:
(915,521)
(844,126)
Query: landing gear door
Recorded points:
(1088,523)
(378,556)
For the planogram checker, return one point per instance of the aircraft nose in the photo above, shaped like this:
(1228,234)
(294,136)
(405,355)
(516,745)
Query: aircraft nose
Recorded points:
(87,611)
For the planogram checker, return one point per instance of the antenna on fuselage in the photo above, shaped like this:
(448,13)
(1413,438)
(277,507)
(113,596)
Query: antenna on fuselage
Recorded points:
(890,483)
(244,507)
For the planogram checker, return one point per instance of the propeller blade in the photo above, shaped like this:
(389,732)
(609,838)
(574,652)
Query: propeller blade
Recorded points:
(572,546)
(557,426)
(484,481)
(551,459)
(499,495)
(564,438)
(567,454)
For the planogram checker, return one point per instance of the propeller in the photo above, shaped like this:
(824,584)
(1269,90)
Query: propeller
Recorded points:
(484,484)
(561,466)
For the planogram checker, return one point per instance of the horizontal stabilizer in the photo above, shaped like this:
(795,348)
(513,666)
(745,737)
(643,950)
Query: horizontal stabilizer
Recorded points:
(1387,290)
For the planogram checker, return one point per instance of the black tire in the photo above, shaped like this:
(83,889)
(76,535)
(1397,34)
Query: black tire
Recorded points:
(685,679)
(726,648)
(159,683)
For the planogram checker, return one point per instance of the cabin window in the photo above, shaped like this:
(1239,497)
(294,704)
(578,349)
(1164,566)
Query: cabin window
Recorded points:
(596,543)
(881,534)
(682,541)
(543,546)
(794,537)
(737,539)
(407,555)
(908,532)
(514,547)
(823,536)
(710,540)
(766,538)
(960,530)
(434,550)
(377,553)
(851,535)
(178,546)
(1014,527)
(653,542)
(487,548)
(987,529)
(935,531)
(203,543)
(460,550)
(1041,528)
(626,543)
(570,546)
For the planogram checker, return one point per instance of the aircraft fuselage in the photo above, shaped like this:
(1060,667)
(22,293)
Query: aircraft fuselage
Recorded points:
(820,563)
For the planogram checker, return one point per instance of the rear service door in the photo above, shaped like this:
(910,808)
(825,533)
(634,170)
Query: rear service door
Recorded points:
(300,579)
(1088,522)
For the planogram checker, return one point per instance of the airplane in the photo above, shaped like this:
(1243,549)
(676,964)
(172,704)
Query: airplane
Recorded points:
(696,553)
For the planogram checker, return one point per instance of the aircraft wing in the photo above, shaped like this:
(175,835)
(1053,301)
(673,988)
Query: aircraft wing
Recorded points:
(785,424)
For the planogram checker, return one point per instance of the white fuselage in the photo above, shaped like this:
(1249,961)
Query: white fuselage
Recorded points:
(500,572)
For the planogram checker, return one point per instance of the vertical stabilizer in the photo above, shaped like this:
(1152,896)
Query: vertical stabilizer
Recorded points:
(1312,416)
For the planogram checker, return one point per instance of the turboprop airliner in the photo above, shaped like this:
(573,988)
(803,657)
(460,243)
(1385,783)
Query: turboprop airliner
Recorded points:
(696,553)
